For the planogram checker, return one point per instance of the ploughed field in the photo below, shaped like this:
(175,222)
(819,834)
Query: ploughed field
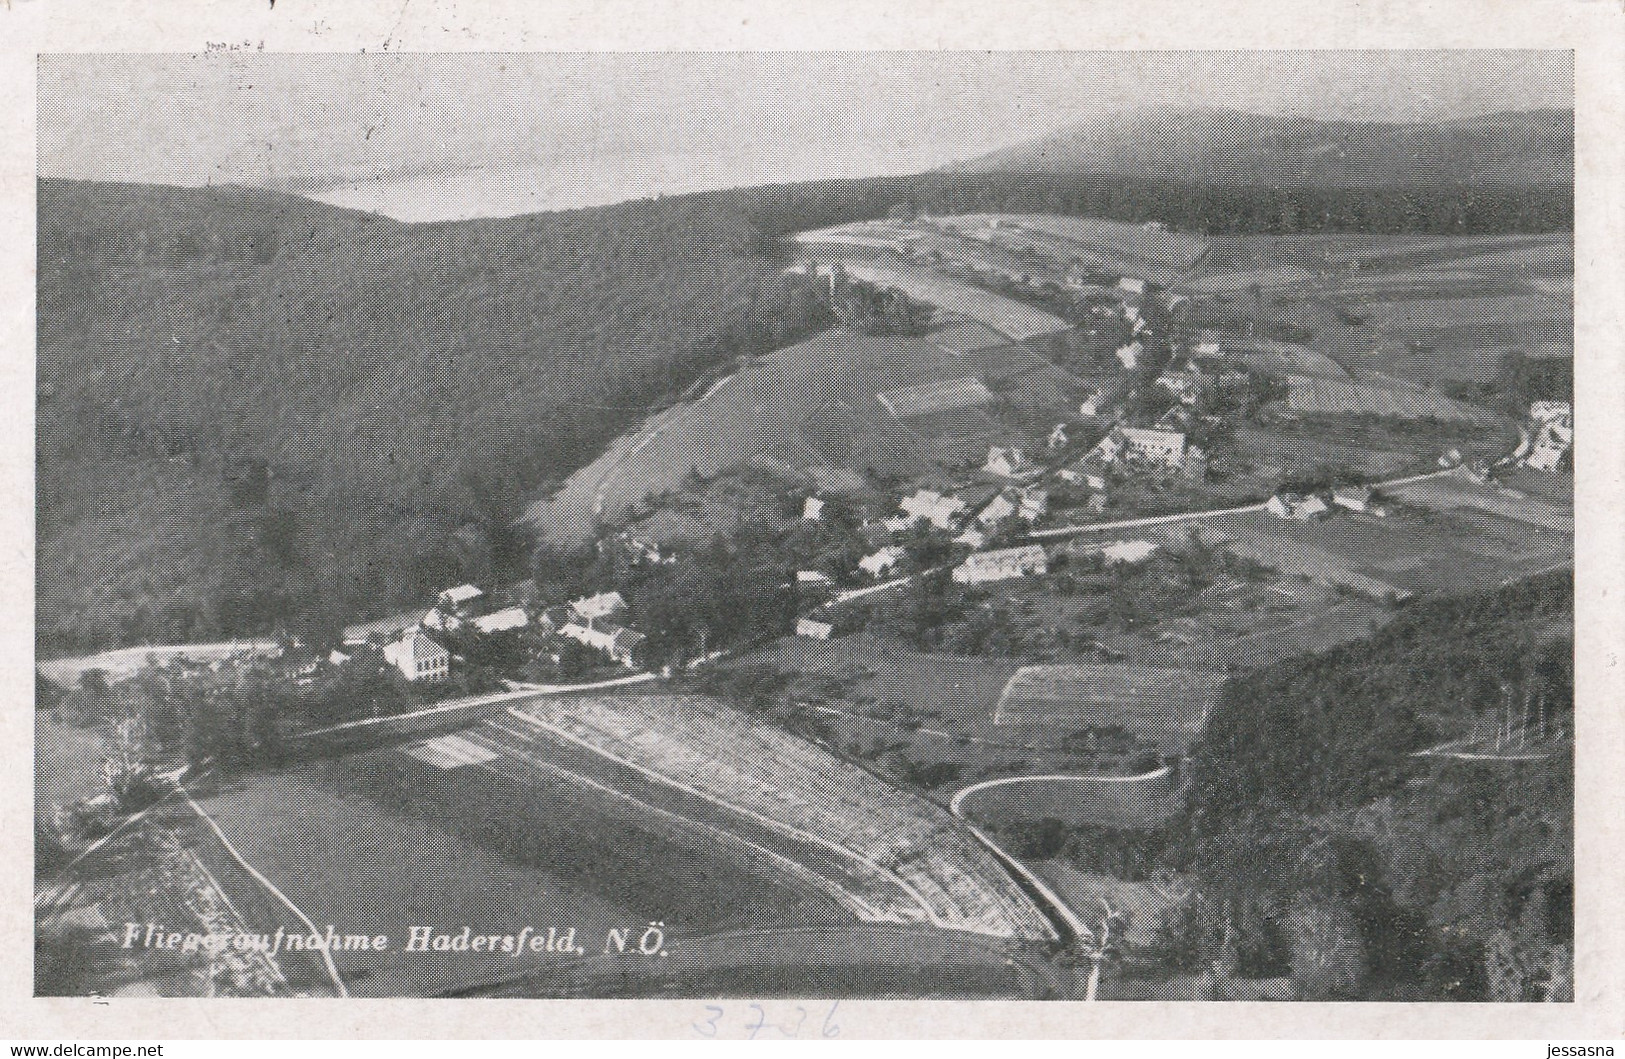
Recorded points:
(889,855)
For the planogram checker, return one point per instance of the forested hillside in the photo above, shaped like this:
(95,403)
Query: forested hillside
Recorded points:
(1327,847)
(255,411)
(1232,147)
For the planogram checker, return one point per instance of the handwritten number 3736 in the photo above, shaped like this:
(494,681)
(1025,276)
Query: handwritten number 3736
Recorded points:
(711,1026)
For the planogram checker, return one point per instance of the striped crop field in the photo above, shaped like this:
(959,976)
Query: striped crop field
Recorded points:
(1161,704)
(1317,396)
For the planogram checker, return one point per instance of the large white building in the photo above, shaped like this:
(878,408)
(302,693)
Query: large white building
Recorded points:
(1002,565)
(418,657)
(1166,447)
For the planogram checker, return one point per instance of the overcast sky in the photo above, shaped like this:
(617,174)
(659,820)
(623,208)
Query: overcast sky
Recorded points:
(252,118)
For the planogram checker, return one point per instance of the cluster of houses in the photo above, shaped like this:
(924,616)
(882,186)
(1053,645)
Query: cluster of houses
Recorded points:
(1553,434)
(1307,507)
(420,655)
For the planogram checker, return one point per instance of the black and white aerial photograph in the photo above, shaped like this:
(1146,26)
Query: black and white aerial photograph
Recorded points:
(993,525)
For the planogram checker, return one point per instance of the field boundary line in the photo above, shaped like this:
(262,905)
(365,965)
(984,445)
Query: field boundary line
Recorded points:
(271,887)
(765,821)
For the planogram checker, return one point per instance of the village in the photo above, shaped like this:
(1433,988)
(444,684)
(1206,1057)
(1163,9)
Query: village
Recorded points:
(1150,442)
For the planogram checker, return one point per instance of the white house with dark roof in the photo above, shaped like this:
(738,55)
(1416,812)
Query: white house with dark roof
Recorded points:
(813,628)
(1008,463)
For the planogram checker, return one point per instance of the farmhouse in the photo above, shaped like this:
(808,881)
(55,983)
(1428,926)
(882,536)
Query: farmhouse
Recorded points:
(1299,508)
(1130,285)
(1034,502)
(459,598)
(503,620)
(1008,463)
(1090,405)
(1185,385)
(603,605)
(1357,498)
(1129,355)
(998,509)
(817,630)
(618,642)
(881,561)
(972,536)
(1108,448)
(1127,551)
(1550,448)
(812,509)
(442,618)
(1165,447)
(935,508)
(1113,552)
(418,657)
(1057,437)
(1002,564)
(811,577)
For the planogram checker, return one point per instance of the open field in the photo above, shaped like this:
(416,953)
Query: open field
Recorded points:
(966,336)
(168,868)
(1288,358)
(813,404)
(1456,494)
(1435,552)
(126,662)
(1300,454)
(1129,242)
(1005,315)
(381,841)
(861,960)
(935,397)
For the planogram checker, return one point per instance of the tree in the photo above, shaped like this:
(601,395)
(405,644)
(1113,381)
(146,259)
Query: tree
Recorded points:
(1327,954)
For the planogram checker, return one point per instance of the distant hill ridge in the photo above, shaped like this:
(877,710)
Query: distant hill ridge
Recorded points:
(1519,148)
